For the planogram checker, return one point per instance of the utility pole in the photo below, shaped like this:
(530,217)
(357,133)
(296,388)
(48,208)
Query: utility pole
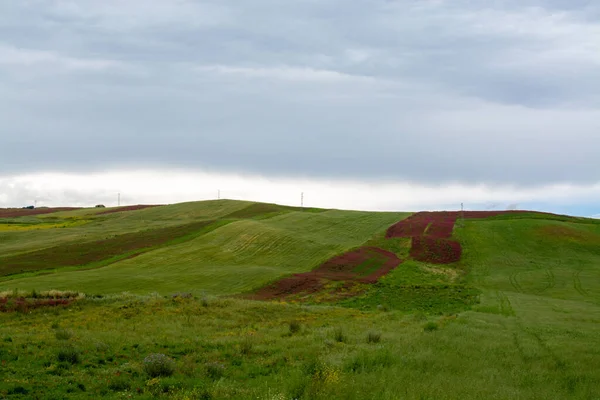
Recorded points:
(219,194)
(119,199)
(302,199)
(462,215)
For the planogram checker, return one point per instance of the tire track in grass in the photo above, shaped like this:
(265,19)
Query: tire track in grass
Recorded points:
(577,283)
(514,282)
(505,305)
(551,280)
(559,363)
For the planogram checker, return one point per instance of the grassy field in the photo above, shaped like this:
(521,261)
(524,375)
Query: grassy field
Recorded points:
(250,246)
(517,318)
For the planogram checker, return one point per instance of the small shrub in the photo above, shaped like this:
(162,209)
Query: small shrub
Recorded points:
(204,302)
(68,354)
(430,326)
(119,384)
(373,337)
(169,385)
(157,364)
(368,361)
(295,327)
(321,372)
(63,334)
(18,390)
(214,370)
(101,346)
(339,336)
(246,346)
(383,307)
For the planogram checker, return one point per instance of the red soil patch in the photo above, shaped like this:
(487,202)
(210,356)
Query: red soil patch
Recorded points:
(83,253)
(23,212)
(364,265)
(430,233)
(22,304)
(565,232)
(435,250)
(128,208)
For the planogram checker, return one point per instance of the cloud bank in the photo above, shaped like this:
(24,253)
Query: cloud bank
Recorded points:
(416,93)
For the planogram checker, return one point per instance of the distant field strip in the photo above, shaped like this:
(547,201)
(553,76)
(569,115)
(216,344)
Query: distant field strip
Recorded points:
(237,257)
(22,212)
(102,227)
(78,254)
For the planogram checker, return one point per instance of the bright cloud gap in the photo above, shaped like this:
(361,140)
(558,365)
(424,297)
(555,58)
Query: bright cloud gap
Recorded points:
(149,186)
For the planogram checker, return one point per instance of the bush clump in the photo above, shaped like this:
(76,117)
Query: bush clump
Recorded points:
(430,326)
(214,370)
(68,354)
(63,334)
(339,335)
(373,337)
(295,327)
(157,364)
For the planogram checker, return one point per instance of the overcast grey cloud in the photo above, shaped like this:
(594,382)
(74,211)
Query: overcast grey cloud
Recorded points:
(428,91)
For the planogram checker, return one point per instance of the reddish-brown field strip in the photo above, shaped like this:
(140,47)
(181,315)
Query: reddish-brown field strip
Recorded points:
(435,250)
(128,208)
(433,244)
(77,254)
(24,305)
(24,212)
(340,268)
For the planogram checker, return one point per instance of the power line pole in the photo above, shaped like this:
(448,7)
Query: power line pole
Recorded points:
(119,199)
(302,199)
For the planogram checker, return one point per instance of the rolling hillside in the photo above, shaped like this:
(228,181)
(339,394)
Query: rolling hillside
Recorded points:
(495,306)
(221,247)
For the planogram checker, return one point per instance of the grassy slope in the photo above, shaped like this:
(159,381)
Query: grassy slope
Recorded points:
(237,257)
(535,334)
(104,226)
(537,257)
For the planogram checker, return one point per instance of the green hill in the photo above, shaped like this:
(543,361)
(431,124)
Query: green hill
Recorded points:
(518,317)
(215,247)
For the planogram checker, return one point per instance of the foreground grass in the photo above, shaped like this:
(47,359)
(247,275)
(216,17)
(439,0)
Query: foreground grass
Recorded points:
(227,348)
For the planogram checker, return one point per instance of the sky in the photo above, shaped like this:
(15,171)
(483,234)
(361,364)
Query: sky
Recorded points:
(375,105)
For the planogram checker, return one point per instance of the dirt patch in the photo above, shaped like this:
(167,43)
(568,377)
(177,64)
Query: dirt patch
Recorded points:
(363,265)
(24,212)
(346,275)
(449,272)
(567,233)
(128,208)
(77,254)
(24,305)
(435,250)
(431,232)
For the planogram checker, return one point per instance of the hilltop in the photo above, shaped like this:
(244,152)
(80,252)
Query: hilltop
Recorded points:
(352,304)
